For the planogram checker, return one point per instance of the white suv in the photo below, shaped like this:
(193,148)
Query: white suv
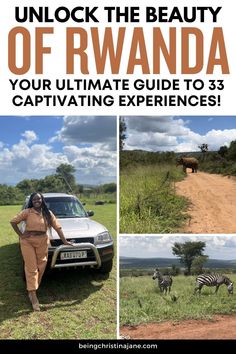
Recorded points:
(93,244)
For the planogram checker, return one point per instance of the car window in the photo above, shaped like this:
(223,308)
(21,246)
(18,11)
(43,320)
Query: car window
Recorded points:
(66,207)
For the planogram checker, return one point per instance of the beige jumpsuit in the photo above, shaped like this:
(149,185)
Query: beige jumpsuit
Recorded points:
(34,244)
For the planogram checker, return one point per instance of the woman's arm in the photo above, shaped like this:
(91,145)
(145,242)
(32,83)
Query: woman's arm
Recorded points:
(57,227)
(16,229)
(62,237)
(22,216)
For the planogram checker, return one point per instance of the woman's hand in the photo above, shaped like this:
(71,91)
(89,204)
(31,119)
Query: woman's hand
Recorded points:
(68,243)
(62,237)
(25,234)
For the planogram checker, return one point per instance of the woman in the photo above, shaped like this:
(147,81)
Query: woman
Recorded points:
(34,241)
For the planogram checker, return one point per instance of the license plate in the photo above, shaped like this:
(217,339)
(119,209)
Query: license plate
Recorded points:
(73,255)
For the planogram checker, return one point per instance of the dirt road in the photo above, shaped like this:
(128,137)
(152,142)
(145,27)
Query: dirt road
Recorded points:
(220,327)
(213,203)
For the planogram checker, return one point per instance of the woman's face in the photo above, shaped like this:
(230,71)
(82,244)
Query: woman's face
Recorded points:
(37,201)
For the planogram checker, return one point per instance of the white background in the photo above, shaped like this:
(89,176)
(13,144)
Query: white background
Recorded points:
(55,67)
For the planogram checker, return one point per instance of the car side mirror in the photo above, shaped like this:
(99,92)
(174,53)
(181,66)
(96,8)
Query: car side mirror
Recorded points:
(83,203)
(90,213)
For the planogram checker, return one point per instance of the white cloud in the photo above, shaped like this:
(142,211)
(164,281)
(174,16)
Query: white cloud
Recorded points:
(88,130)
(151,141)
(171,134)
(95,162)
(214,138)
(29,136)
(154,133)
(22,161)
(86,142)
(20,150)
(160,124)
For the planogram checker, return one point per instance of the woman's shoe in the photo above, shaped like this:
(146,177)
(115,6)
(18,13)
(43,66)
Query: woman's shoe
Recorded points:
(34,300)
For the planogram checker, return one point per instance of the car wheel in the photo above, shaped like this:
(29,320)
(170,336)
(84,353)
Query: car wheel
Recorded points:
(106,267)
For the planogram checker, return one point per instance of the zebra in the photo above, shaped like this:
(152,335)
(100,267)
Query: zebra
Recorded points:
(164,282)
(213,280)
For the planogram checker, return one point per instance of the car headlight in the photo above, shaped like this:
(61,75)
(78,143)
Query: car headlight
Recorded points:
(103,237)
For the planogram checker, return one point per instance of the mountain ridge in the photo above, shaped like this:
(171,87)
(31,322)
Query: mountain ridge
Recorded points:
(135,262)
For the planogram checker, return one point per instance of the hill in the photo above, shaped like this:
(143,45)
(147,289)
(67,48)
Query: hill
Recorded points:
(139,263)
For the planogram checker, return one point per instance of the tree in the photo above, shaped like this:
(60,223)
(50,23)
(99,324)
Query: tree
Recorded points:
(232,151)
(188,251)
(223,151)
(123,129)
(28,186)
(109,188)
(65,171)
(51,184)
(197,265)
(10,195)
(174,270)
(203,148)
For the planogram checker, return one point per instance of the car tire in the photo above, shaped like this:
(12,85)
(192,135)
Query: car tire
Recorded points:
(106,267)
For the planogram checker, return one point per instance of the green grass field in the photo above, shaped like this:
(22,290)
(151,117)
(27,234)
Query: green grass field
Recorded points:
(76,304)
(142,302)
(148,202)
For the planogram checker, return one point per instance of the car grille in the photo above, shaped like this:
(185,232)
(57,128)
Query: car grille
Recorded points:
(56,243)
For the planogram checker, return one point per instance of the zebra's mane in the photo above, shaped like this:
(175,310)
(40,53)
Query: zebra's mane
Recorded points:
(226,279)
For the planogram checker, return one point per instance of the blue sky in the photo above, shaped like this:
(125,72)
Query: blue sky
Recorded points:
(203,124)
(32,147)
(179,133)
(12,127)
(217,247)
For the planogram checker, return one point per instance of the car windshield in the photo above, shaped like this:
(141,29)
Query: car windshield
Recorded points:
(66,207)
